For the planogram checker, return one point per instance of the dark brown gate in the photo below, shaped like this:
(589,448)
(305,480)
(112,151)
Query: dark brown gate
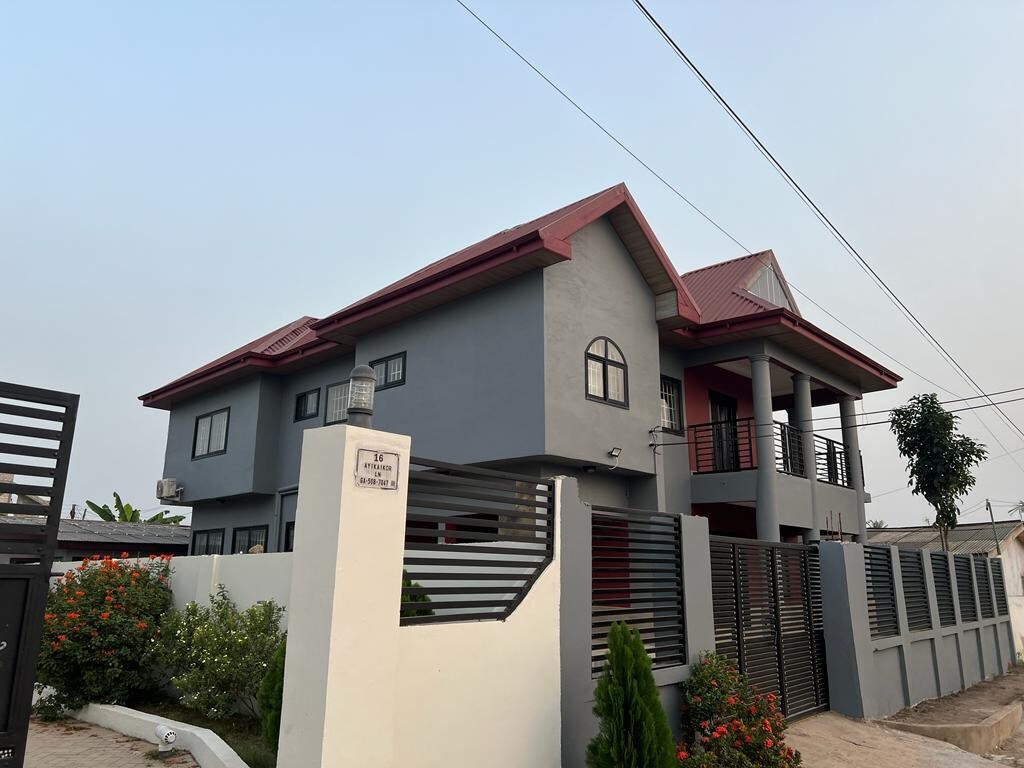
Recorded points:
(36,428)
(768,619)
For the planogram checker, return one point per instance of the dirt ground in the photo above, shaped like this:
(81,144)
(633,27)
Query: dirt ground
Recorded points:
(970,706)
(830,740)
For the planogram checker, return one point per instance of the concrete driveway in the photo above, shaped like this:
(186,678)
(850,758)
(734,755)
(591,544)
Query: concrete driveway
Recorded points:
(833,741)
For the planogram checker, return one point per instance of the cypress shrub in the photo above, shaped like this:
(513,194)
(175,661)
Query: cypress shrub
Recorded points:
(634,730)
(271,696)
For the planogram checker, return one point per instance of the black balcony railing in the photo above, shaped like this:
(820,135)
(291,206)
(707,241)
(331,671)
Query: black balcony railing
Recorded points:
(830,461)
(789,450)
(722,446)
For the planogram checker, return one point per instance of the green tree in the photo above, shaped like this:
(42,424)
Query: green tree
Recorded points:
(940,460)
(271,697)
(126,513)
(877,524)
(634,730)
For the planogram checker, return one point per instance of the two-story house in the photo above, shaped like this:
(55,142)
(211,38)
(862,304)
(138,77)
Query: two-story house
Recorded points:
(565,345)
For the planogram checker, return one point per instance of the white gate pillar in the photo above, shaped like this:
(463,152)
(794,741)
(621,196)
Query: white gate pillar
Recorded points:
(339,685)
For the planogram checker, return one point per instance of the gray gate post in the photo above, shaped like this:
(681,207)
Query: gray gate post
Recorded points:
(697,599)
(848,648)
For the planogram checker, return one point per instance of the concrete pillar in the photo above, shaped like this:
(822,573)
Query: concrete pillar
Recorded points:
(764,431)
(805,423)
(697,596)
(849,653)
(851,446)
(343,610)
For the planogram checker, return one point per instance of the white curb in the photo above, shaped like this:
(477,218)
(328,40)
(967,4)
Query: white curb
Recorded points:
(208,749)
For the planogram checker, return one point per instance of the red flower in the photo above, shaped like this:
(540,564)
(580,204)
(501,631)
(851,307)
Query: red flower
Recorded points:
(49,616)
(681,754)
(704,723)
(72,616)
(125,555)
(62,638)
(768,743)
(141,625)
(109,599)
(104,615)
(79,593)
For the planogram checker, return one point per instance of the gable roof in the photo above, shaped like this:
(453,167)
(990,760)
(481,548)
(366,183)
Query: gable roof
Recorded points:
(537,243)
(721,290)
(965,539)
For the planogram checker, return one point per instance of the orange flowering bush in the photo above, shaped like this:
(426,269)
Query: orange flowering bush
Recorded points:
(99,632)
(728,724)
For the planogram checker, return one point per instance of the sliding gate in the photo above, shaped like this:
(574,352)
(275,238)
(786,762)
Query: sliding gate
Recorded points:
(767,606)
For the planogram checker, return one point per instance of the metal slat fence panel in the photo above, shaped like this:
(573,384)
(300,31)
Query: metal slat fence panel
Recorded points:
(882,616)
(915,591)
(475,541)
(1002,607)
(35,461)
(768,619)
(637,578)
(943,588)
(984,587)
(965,588)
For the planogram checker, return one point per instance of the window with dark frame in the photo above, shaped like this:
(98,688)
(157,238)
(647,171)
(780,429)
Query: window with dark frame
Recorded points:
(390,371)
(336,408)
(671,404)
(244,539)
(307,405)
(606,375)
(211,434)
(209,542)
(289,536)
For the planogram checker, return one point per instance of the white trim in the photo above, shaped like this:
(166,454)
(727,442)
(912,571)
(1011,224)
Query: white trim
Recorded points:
(208,749)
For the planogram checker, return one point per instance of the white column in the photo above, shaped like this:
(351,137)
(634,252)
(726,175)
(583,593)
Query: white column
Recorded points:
(339,685)
(805,423)
(851,447)
(764,431)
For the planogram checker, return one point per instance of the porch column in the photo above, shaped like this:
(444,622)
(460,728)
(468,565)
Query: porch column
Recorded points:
(805,423)
(764,431)
(851,447)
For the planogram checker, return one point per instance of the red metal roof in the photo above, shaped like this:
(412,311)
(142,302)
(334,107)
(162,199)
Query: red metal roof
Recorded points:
(720,290)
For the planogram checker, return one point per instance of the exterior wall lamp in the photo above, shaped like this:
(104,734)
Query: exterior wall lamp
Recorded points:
(615,452)
(360,396)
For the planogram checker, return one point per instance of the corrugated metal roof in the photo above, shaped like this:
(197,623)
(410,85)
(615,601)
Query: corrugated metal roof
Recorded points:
(968,538)
(720,290)
(102,532)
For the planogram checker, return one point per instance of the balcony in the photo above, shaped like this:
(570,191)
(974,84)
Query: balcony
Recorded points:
(730,446)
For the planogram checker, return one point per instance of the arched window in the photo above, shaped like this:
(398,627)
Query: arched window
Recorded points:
(606,373)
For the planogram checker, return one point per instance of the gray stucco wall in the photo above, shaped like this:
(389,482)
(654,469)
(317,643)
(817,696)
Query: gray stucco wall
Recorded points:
(237,513)
(474,386)
(600,292)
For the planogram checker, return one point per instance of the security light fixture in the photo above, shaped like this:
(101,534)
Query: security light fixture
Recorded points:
(360,396)
(615,452)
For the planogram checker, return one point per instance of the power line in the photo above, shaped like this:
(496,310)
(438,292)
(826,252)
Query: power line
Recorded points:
(832,229)
(706,216)
(907,487)
(941,402)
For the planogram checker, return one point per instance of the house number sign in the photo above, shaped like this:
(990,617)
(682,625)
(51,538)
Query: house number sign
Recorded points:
(376,469)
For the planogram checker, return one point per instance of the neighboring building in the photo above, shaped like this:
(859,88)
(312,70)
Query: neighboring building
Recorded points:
(80,538)
(973,539)
(566,345)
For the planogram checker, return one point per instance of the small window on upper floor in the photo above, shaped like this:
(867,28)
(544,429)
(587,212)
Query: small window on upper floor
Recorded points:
(671,404)
(336,409)
(208,542)
(251,540)
(390,371)
(307,405)
(211,434)
(606,373)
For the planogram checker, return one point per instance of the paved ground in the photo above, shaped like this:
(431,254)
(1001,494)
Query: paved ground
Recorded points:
(832,741)
(70,743)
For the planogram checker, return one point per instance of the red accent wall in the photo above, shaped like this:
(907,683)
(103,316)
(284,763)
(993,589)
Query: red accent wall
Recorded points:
(728,519)
(703,379)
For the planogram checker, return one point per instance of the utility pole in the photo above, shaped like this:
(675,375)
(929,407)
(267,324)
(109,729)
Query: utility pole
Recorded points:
(995,535)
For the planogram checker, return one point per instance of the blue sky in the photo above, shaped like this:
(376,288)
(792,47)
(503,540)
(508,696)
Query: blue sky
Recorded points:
(176,179)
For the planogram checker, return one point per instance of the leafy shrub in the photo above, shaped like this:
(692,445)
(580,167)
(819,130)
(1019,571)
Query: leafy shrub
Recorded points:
(218,655)
(634,730)
(99,633)
(271,697)
(728,723)
(418,597)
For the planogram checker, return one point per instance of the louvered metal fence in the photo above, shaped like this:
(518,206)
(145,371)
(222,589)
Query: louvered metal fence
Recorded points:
(943,588)
(638,579)
(768,618)
(981,577)
(36,431)
(999,583)
(882,615)
(915,590)
(475,541)
(965,588)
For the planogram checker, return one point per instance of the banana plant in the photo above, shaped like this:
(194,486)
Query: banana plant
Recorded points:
(126,513)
